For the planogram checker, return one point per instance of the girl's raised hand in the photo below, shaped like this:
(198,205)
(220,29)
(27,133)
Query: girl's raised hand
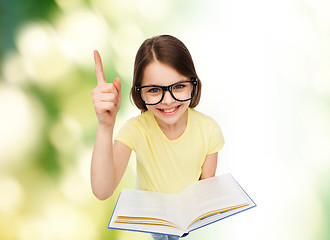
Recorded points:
(106,96)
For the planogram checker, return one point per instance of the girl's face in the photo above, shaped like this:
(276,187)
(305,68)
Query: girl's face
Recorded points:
(168,112)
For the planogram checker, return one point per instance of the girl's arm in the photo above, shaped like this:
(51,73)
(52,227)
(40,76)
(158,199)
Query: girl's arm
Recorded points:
(209,166)
(109,160)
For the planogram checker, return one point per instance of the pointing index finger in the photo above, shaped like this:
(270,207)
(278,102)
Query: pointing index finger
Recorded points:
(99,68)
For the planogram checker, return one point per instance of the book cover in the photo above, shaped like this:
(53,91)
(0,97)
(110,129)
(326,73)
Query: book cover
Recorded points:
(198,205)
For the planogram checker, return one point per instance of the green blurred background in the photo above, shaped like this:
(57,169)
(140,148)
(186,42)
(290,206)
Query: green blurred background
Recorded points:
(266,79)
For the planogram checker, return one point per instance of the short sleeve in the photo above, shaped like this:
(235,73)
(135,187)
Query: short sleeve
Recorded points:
(216,139)
(125,135)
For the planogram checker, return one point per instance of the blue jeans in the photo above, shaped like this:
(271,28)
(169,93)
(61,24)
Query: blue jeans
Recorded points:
(164,237)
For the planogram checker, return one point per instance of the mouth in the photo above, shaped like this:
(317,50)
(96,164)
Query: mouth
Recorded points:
(169,111)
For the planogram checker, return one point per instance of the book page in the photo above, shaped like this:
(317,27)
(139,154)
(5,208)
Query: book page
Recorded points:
(216,217)
(220,193)
(143,206)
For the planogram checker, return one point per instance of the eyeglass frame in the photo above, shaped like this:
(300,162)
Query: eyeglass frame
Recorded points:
(168,88)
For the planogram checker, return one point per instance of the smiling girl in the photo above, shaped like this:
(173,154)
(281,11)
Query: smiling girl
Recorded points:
(175,145)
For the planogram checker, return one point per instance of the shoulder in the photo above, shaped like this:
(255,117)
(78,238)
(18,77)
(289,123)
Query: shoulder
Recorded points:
(141,122)
(143,118)
(208,129)
(201,118)
(134,129)
(204,123)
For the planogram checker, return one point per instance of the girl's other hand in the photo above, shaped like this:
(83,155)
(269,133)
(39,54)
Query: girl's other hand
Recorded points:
(106,96)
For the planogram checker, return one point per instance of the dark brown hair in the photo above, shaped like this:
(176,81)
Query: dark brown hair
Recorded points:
(167,50)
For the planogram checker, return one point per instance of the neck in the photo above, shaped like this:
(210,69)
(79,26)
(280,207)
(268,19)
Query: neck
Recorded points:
(174,131)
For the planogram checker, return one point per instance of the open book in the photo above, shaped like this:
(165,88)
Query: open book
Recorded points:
(197,205)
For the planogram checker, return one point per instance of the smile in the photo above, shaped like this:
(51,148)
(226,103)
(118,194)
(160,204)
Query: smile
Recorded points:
(170,110)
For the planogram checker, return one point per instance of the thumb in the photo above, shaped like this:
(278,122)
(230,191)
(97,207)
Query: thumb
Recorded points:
(117,84)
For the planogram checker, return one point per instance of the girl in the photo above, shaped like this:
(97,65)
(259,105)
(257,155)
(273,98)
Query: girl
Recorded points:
(175,145)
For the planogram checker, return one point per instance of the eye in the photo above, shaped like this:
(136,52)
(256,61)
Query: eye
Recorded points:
(154,90)
(179,86)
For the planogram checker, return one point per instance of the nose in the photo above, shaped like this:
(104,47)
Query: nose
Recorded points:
(168,99)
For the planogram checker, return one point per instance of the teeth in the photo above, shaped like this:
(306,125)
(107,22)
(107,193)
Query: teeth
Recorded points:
(169,110)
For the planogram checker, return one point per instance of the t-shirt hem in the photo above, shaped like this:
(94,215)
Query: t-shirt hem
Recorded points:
(124,142)
(216,149)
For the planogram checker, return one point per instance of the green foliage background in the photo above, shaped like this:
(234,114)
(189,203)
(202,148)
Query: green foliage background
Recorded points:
(266,62)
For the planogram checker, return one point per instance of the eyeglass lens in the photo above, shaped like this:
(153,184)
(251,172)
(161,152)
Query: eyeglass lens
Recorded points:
(181,91)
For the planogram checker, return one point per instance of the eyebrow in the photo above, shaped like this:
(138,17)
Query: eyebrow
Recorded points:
(153,85)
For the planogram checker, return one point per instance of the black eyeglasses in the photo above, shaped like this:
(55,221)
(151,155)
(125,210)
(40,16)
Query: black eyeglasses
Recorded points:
(181,91)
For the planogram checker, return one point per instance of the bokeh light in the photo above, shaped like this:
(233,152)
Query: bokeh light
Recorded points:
(21,123)
(265,72)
